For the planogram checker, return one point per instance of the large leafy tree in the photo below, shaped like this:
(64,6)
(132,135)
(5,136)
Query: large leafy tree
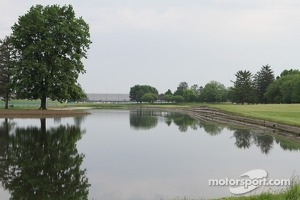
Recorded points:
(188,95)
(289,72)
(51,43)
(285,89)
(214,92)
(181,88)
(243,87)
(149,97)
(6,66)
(138,91)
(262,80)
(196,89)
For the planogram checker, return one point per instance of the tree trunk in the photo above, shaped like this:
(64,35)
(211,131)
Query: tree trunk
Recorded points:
(43,102)
(6,103)
(6,100)
(6,127)
(43,125)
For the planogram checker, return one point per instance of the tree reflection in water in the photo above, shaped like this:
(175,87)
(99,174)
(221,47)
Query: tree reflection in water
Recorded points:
(143,119)
(37,163)
(211,128)
(182,121)
(244,138)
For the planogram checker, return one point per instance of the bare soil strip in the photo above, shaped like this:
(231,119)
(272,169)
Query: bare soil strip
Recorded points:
(40,113)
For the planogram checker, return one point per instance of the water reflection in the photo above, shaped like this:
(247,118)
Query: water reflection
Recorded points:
(41,163)
(244,138)
(182,121)
(143,119)
(211,129)
(263,141)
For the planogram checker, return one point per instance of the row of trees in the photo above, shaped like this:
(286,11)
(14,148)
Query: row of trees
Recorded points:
(264,88)
(42,58)
(261,87)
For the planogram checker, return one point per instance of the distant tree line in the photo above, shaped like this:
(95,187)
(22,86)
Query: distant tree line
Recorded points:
(261,87)
(42,58)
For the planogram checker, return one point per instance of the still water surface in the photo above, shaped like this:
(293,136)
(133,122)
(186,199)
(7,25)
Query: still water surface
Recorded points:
(133,155)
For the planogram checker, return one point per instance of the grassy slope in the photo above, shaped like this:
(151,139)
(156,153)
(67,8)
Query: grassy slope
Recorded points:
(293,193)
(282,113)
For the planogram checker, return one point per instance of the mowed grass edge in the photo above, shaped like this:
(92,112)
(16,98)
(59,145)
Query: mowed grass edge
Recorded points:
(281,113)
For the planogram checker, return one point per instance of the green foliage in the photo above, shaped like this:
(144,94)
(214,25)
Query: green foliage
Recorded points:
(168,92)
(169,97)
(214,92)
(262,80)
(231,94)
(289,72)
(149,97)
(6,66)
(138,91)
(182,86)
(284,89)
(196,89)
(178,98)
(51,43)
(292,193)
(243,87)
(189,95)
(247,88)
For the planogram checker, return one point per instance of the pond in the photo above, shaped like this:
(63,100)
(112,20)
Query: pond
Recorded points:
(134,155)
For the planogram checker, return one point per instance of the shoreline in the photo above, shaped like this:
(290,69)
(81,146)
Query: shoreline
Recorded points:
(204,112)
(213,114)
(217,115)
(35,113)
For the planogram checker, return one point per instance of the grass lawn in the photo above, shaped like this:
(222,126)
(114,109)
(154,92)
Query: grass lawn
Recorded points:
(27,104)
(292,193)
(282,113)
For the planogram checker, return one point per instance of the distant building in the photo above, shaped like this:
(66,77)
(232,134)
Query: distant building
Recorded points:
(108,97)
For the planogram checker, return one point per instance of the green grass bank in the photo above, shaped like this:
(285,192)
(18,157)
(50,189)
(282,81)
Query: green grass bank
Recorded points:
(281,113)
(292,193)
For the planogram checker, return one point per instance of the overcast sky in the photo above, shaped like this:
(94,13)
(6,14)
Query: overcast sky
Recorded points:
(164,42)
